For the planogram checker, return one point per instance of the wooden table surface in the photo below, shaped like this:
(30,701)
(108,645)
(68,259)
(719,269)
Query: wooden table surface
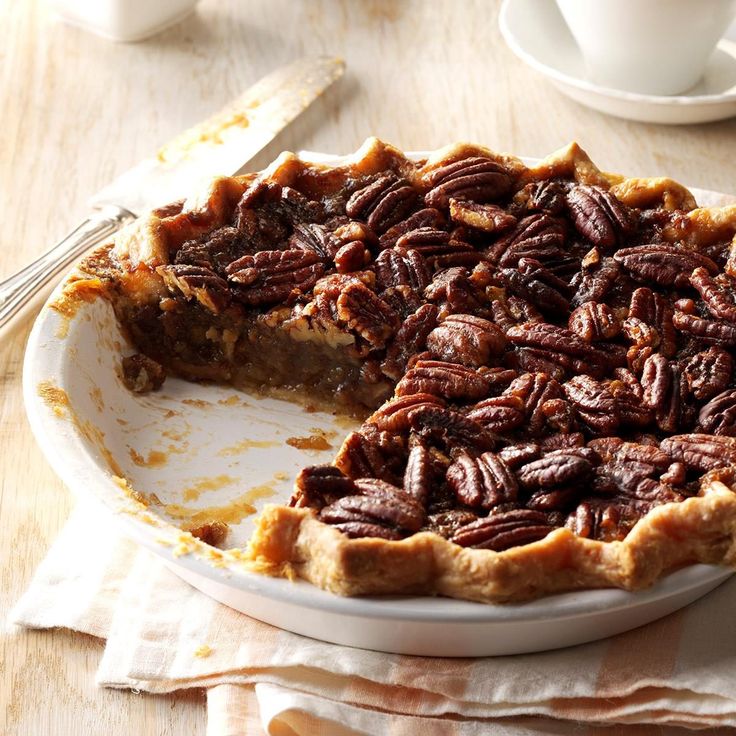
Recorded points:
(78,110)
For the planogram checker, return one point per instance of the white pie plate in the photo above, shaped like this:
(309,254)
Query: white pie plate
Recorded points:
(203,447)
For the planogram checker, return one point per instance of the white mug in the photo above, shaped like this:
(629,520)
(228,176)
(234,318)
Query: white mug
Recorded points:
(655,47)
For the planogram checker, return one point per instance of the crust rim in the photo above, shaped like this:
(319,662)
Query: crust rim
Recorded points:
(292,542)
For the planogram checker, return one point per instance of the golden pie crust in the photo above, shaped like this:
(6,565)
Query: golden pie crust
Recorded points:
(290,541)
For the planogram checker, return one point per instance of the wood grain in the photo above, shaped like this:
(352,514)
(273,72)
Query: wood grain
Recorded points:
(77,110)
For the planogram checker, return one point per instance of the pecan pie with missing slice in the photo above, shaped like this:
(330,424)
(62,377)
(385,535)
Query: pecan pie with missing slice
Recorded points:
(547,353)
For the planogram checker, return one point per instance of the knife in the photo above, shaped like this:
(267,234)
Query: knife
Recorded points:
(221,145)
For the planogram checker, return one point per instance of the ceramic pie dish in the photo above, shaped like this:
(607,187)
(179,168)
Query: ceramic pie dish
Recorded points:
(144,454)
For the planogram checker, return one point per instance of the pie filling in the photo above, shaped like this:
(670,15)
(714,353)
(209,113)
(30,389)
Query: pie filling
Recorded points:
(249,353)
(555,343)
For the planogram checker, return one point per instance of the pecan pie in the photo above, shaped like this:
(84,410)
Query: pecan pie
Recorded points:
(544,355)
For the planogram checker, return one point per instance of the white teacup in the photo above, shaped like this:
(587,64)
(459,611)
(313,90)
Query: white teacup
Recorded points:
(656,47)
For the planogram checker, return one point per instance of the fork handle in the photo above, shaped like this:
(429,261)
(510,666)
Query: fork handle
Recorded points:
(19,290)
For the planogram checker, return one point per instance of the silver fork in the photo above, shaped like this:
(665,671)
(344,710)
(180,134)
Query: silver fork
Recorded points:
(18,290)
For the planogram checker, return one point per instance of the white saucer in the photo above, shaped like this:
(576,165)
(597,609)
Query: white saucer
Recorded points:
(538,35)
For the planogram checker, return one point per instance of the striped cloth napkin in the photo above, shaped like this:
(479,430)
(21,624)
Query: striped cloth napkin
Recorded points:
(163,635)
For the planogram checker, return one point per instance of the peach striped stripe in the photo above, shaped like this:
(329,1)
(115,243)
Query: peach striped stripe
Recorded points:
(450,676)
(393,698)
(434,726)
(415,681)
(648,653)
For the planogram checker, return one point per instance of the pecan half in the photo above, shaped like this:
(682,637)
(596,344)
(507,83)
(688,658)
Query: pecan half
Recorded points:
(197,282)
(641,334)
(393,416)
(438,248)
(650,321)
(605,447)
(514,310)
(708,372)
(214,250)
(561,468)
(536,236)
(655,492)
(484,481)
(628,393)
(537,285)
(701,452)
(594,403)
(369,454)
(534,389)
(622,478)
(663,264)
(463,338)
(560,343)
(382,203)
(655,380)
(395,268)
(295,206)
(665,391)
(594,322)
(595,281)
(267,213)
(718,416)
(560,415)
(271,276)
(311,237)
(723,333)
(554,442)
(499,378)
(718,293)
(453,289)
(352,256)
(367,314)
(499,414)
(604,521)
(501,531)
(475,178)
(676,414)
(450,430)
(629,452)
(409,340)
(440,378)
(419,475)
(428,217)
(598,215)
(519,454)
(549,337)
(319,485)
(554,499)
(548,195)
(533,360)
(352,231)
(384,505)
(403,300)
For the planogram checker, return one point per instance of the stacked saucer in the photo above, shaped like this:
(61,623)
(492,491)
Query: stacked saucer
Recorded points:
(536,32)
